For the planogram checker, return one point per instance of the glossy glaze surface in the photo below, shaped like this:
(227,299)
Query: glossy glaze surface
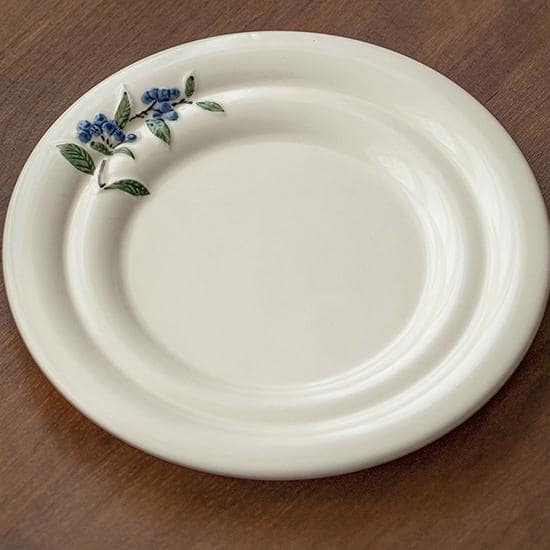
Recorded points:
(343,268)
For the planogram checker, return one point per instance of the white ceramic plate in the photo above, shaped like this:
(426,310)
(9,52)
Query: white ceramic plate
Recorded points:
(339,267)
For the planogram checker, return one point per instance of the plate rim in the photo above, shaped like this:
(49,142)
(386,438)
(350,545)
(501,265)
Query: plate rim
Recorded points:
(37,352)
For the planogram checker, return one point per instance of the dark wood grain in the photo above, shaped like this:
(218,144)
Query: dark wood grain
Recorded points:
(65,483)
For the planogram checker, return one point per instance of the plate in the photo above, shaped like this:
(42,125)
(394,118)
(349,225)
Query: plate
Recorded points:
(277,255)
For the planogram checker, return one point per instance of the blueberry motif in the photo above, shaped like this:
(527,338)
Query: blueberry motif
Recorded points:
(100,118)
(163,94)
(101,126)
(105,135)
(83,126)
(167,115)
(109,127)
(147,98)
(150,95)
(160,95)
(84,136)
(170,115)
(95,130)
(159,98)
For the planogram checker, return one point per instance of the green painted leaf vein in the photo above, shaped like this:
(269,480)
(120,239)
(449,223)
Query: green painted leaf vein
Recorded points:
(125,151)
(159,128)
(210,106)
(78,157)
(122,114)
(132,187)
(190,86)
(100,148)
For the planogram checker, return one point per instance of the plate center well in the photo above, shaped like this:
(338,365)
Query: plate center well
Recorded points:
(273,262)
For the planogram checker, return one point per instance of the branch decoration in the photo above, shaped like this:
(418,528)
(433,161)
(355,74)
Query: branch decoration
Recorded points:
(107,136)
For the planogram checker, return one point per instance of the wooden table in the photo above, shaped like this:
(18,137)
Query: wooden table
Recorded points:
(65,483)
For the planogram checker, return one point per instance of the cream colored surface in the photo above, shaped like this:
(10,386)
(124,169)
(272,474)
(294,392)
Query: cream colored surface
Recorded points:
(337,270)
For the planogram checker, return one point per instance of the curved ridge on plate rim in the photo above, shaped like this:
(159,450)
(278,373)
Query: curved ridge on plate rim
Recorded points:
(251,460)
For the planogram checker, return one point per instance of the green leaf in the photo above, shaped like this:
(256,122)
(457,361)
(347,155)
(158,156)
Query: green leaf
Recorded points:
(78,157)
(101,148)
(159,128)
(132,187)
(210,106)
(190,86)
(125,151)
(123,111)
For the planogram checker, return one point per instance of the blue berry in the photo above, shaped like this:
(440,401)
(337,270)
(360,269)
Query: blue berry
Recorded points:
(109,127)
(119,135)
(165,106)
(163,94)
(83,126)
(95,130)
(170,115)
(146,98)
(100,119)
(84,136)
(131,137)
(174,93)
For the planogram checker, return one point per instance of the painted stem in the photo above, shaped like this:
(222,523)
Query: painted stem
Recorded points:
(143,113)
(100,174)
(183,100)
